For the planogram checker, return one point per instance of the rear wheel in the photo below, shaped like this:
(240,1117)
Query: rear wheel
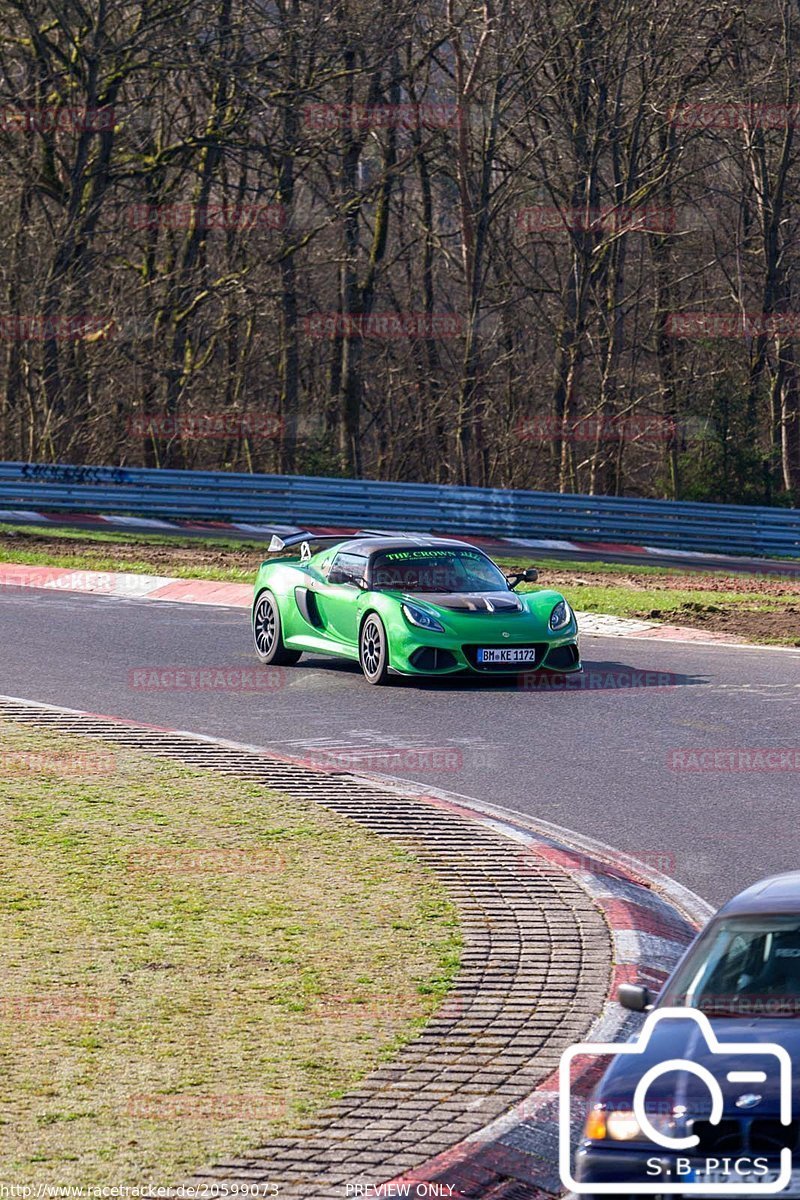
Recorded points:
(373,651)
(267,633)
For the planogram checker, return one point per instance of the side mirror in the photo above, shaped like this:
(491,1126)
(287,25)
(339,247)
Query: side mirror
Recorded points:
(337,575)
(634,997)
(529,575)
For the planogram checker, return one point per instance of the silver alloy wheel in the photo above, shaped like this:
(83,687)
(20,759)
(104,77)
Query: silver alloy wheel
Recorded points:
(265,627)
(371,647)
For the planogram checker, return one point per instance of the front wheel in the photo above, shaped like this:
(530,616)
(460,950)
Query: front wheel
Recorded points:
(373,652)
(267,633)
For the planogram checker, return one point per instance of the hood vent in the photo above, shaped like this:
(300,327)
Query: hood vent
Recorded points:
(483,602)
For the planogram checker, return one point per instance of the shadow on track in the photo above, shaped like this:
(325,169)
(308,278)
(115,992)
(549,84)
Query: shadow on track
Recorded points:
(597,676)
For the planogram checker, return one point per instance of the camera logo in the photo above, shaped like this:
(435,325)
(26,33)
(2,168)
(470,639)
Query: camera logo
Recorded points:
(685,1175)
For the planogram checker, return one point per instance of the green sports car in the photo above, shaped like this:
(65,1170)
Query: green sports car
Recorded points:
(407,604)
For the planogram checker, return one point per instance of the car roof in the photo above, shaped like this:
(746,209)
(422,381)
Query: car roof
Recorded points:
(368,546)
(780,894)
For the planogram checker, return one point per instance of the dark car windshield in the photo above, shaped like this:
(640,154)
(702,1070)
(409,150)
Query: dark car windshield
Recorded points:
(436,571)
(746,966)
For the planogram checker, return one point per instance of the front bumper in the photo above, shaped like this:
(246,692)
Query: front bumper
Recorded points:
(422,652)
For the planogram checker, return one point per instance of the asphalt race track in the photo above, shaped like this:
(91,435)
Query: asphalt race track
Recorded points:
(609,760)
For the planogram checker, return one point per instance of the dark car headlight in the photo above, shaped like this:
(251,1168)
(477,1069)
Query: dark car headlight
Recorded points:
(421,618)
(561,616)
(620,1125)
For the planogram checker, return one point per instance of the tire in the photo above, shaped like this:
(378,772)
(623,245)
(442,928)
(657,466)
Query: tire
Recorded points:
(267,637)
(373,651)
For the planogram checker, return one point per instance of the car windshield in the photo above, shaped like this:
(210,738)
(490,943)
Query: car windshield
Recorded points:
(747,966)
(436,571)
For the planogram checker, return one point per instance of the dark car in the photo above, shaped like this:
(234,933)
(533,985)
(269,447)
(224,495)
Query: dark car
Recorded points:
(742,973)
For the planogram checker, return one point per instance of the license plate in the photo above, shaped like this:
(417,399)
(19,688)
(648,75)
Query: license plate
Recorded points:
(754,1181)
(510,654)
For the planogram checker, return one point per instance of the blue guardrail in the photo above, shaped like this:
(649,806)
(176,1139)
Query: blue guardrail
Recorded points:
(299,499)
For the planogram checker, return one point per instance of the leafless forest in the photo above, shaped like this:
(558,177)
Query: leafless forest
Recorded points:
(548,245)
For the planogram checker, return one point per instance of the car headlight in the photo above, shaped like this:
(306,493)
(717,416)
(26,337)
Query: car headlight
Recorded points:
(620,1125)
(421,618)
(561,616)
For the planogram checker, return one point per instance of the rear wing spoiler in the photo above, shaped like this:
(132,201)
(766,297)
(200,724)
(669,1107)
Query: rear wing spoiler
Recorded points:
(276,544)
(305,541)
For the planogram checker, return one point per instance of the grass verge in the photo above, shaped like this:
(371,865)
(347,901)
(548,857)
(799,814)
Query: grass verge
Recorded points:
(761,609)
(754,607)
(190,963)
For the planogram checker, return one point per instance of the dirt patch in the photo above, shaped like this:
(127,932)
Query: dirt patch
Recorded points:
(194,553)
(750,624)
(198,554)
(196,557)
(756,585)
